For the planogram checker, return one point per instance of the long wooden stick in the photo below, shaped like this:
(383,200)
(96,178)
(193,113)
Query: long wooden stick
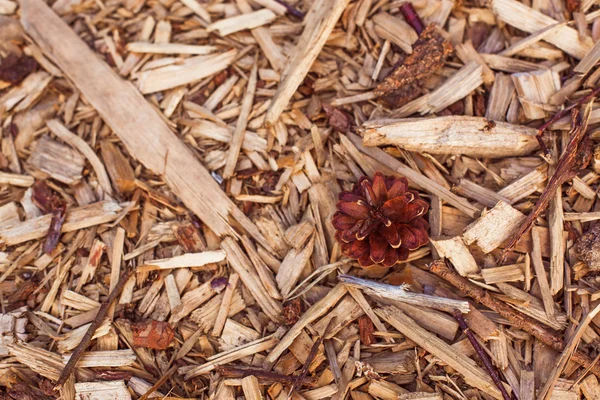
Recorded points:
(87,338)
(144,133)
(521,321)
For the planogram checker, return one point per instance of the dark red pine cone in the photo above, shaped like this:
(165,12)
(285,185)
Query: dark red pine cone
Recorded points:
(380,221)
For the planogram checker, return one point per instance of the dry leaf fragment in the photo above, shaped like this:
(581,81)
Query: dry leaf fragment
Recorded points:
(156,335)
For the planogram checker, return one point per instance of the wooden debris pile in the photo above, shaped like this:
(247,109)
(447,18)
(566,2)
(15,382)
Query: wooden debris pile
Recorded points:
(169,170)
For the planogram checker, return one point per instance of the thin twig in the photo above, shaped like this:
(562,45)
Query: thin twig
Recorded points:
(564,171)
(311,356)
(87,338)
(292,10)
(519,320)
(566,110)
(159,383)
(485,359)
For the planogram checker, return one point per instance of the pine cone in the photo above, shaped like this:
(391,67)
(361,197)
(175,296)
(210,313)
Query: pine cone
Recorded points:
(380,220)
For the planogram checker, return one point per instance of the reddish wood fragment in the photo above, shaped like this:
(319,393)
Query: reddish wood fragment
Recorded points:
(292,311)
(338,119)
(573,5)
(56,223)
(430,52)
(156,335)
(365,330)
(188,237)
(49,202)
(14,68)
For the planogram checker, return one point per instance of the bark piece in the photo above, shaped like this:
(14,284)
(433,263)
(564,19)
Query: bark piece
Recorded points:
(430,52)
(318,24)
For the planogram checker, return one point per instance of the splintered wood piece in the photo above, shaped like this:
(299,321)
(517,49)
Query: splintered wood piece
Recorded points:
(57,160)
(238,23)
(507,273)
(318,24)
(466,52)
(240,263)
(530,40)
(77,218)
(144,133)
(535,90)
(472,136)
(16,179)
(251,388)
(455,88)
(192,300)
(401,294)
(102,390)
(107,358)
(183,261)
(588,62)
(118,167)
(78,143)
(292,267)
(530,20)
(225,305)
(590,387)
(169,48)
(494,227)
(210,130)
(465,366)
(525,185)
(198,8)
(191,70)
(458,253)
(540,272)
(500,97)
(228,356)
(395,30)
(311,315)
(568,351)
(240,128)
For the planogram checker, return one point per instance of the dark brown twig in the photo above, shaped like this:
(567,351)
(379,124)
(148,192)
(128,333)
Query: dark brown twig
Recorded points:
(87,338)
(518,319)
(566,110)
(311,356)
(159,383)
(411,17)
(485,359)
(292,10)
(564,171)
